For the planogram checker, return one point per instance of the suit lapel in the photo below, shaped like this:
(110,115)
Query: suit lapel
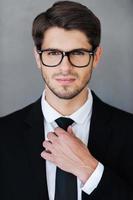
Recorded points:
(34,136)
(99,135)
(99,129)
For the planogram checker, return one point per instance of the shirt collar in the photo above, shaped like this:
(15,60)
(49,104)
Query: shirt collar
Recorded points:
(79,116)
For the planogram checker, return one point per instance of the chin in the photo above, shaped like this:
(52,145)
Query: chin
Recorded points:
(66,95)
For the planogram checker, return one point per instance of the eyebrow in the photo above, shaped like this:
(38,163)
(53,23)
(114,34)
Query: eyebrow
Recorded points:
(56,49)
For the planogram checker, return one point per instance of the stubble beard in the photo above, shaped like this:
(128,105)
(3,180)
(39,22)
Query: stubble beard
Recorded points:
(66,93)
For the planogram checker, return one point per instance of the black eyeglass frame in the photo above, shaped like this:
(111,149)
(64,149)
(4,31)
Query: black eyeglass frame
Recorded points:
(67,53)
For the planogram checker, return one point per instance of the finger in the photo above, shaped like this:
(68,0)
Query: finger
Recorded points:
(52,137)
(69,130)
(48,146)
(47,156)
(59,131)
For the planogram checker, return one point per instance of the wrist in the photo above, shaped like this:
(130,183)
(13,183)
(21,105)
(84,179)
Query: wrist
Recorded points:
(86,169)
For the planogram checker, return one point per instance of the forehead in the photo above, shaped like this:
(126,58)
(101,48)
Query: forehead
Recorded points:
(62,39)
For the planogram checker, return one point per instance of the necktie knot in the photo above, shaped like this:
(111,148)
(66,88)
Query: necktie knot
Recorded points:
(64,122)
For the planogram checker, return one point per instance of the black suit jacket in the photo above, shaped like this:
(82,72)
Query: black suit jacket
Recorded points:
(22,170)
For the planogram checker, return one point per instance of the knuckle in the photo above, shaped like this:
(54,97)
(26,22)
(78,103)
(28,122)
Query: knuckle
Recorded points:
(57,128)
(62,136)
(49,135)
(43,154)
(44,143)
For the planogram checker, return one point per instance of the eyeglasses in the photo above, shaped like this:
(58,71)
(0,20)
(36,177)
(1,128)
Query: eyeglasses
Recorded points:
(77,57)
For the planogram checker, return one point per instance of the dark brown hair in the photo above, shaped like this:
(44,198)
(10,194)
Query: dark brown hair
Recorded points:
(68,15)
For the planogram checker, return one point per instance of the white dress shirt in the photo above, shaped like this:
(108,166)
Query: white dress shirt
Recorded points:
(81,129)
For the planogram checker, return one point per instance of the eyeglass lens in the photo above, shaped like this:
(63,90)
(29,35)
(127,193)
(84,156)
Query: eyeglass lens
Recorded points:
(77,58)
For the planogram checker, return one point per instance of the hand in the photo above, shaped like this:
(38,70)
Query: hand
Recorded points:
(69,153)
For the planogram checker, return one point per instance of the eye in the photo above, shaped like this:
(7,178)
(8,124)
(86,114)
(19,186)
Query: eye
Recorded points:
(78,53)
(53,53)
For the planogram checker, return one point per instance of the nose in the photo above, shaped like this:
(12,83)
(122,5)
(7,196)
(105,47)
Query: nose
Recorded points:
(65,65)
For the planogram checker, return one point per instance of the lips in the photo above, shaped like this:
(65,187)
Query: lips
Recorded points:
(65,81)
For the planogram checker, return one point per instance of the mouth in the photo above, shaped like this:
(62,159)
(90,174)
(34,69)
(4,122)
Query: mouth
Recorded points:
(65,81)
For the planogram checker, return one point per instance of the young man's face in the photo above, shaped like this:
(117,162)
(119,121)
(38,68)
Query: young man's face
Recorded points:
(66,81)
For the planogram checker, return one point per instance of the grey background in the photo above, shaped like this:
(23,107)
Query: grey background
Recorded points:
(21,82)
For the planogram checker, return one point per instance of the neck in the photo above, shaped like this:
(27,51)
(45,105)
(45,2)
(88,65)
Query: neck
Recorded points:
(66,107)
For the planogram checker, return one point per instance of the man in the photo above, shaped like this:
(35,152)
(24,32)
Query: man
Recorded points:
(68,144)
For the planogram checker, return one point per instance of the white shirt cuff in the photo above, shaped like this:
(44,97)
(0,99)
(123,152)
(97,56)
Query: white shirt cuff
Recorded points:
(93,180)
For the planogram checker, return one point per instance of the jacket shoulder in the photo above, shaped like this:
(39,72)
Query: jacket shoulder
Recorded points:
(108,111)
(118,113)
(17,116)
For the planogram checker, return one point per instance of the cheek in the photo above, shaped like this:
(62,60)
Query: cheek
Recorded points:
(47,73)
(85,74)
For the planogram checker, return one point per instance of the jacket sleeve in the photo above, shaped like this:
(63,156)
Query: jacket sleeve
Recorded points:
(111,187)
(117,179)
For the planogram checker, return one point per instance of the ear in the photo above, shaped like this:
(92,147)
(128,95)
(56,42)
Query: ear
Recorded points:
(37,58)
(97,56)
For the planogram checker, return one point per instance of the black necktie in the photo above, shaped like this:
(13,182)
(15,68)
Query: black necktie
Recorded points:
(66,183)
